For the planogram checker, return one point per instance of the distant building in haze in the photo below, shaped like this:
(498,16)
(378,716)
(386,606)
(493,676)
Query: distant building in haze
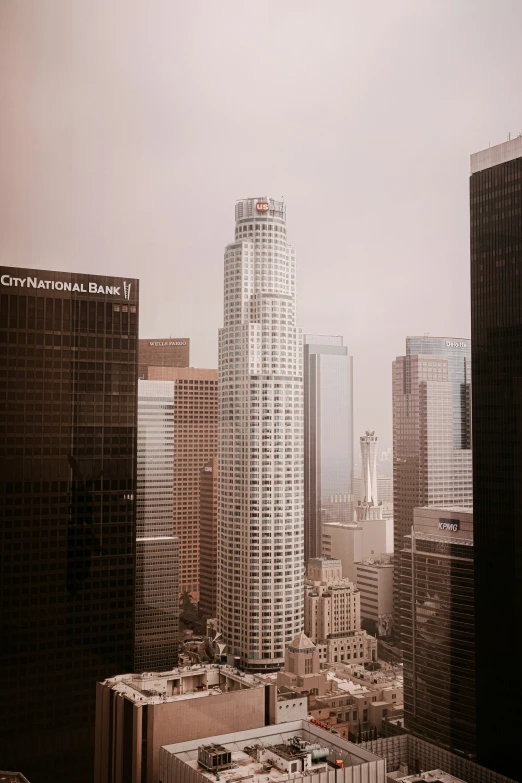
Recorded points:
(328,420)
(431,432)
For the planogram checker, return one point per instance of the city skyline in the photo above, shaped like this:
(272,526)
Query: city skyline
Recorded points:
(183,133)
(259,463)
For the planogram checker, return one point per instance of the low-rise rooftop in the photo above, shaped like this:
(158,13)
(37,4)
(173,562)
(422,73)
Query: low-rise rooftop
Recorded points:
(183,682)
(435,776)
(271,754)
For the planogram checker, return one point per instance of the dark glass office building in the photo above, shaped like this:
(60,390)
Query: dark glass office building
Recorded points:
(436,576)
(496,311)
(68,363)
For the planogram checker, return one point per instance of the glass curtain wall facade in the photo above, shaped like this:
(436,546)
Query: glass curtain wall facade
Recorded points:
(496,312)
(260,442)
(437,587)
(428,469)
(328,406)
(68,347)
(157,550)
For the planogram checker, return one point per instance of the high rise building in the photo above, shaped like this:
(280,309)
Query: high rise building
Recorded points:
(431,432)
(157,550)
(328,419)
(208,541)
(166,352)
(260,502)
(68,348)
(195,443)
(436,576)
(496,325)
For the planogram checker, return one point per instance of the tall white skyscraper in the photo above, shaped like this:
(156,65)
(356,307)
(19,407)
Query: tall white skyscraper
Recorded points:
(260,442)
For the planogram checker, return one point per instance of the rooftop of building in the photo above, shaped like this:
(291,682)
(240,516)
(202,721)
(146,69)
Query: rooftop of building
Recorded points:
(12,777)
(252,753)
(183,682)
(434,776)
(494,156)
(375,563)
(301,642)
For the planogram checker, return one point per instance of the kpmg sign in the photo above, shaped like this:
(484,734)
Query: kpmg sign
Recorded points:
(69,283)
(449,524)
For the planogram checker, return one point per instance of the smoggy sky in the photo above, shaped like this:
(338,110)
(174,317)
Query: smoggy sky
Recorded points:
(128,129)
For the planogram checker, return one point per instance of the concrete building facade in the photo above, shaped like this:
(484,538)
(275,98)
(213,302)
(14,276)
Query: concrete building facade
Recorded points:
(374,580)
(260,496)
(208,543)
(332,603)
(328,420)
(137,714)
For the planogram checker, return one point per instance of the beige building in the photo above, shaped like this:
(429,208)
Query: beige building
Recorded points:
(208,544)
(271,753)
(374,579)
(302,669)
(343,541)
(195,438)
(332,603)
(138,713)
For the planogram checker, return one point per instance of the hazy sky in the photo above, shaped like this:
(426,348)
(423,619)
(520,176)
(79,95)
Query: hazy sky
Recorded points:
(128,129)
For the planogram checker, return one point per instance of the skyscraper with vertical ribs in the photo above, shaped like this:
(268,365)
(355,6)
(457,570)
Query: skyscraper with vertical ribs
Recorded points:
(260,442)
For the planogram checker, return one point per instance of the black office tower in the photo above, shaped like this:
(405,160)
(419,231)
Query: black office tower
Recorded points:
(496,310)
(68,348)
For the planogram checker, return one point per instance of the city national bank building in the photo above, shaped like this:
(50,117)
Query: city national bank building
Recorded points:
(68,347)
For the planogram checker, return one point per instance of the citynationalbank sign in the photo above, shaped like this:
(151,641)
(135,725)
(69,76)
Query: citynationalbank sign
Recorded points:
(62,285)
